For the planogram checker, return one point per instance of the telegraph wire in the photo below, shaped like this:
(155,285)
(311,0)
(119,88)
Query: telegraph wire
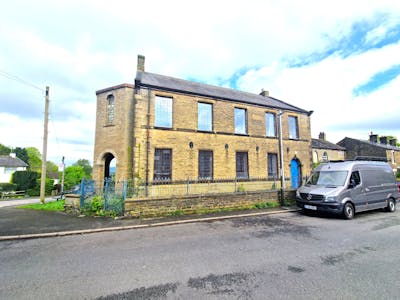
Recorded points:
(20,80)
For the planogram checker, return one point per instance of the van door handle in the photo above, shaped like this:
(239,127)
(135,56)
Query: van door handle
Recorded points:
(367,189)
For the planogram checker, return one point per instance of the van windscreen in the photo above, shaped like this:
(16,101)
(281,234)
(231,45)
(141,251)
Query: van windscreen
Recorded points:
(328,178)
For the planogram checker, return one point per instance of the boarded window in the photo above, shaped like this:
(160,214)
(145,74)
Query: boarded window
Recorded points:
(163,164)
(272,165)
(205,164)
(242,168)
(110,109)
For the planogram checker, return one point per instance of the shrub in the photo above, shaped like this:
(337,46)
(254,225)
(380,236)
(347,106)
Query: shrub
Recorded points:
(8,187)
(25,180)
(35,191)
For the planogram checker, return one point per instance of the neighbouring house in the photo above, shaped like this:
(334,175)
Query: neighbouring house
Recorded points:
(8,165)
(383,147)
(323,151)
(164,129)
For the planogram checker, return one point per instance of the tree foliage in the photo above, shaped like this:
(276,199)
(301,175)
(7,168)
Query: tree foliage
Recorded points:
(87,168)
(22,154)
(4,150)
(73,176)
(35,159)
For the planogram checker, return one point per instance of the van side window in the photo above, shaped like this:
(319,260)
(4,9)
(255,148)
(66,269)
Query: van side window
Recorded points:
(355,178)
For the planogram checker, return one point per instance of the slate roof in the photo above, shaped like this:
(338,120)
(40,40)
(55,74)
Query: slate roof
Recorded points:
(11,162)
(322,144)
(384,146)
(167,83)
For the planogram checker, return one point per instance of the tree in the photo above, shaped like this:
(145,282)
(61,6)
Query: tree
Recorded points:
(4,150)
(87,168)
(22,154)
(35,159)
(73,176)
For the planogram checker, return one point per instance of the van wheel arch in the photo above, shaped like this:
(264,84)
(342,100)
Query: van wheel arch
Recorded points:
(391,207)
(348,210)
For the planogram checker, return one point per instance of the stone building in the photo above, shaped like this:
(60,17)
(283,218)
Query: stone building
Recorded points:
(167,129)
(382,148)
(323,150)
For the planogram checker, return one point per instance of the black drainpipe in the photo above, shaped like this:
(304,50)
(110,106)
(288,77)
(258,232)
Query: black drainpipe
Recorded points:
(148,141)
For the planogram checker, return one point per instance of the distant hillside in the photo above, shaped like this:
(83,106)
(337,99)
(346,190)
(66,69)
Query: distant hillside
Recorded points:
(112,170)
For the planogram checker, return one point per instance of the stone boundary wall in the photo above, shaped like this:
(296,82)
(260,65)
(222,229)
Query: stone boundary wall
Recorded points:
(196,203)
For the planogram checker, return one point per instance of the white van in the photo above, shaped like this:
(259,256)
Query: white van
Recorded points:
(349,187)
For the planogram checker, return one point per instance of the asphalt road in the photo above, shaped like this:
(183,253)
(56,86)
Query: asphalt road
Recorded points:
(285,256)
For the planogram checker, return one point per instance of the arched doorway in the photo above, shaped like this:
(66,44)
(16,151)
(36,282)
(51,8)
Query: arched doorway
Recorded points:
(295,172)
(109,165)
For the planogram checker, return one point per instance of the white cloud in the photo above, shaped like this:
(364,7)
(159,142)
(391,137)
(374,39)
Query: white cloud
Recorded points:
(77,51)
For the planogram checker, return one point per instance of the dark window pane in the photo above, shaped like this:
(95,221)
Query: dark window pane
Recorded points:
(205,164)
(162,164)
(242,169)
(204,116)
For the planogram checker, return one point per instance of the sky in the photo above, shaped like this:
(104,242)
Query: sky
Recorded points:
(340,59)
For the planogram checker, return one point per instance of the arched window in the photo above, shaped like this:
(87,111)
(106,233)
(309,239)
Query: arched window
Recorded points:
(110,109)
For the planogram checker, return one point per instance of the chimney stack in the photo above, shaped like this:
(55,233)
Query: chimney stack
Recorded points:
(383,140)
(373,138)
(264,93)
(140,63)
(322,136)
(393,142)
(13,155)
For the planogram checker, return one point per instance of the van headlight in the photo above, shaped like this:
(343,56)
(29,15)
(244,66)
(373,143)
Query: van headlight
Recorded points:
(297,193)
(330,199)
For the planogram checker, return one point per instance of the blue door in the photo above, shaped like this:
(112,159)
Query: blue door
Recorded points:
(295,173)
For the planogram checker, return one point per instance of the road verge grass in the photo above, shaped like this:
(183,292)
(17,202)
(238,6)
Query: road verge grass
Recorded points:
(48,206)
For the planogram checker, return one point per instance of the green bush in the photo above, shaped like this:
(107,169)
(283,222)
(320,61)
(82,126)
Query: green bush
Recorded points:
(398,174)
(35,191)
(25,180)
(8,187)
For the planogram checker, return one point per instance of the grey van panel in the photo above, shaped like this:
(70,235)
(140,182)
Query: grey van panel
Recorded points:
(377,185)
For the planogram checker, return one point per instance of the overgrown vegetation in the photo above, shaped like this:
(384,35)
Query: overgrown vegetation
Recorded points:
(49,206)
(97,206)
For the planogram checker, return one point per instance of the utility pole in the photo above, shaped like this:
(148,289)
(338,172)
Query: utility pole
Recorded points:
(62,178)
(44,151)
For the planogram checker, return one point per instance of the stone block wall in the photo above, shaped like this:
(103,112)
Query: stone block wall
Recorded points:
(193,204)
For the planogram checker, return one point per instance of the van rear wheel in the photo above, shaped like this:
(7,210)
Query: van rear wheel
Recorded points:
(391,206)
(348,211)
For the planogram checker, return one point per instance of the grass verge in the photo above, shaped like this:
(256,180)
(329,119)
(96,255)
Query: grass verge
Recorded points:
(48,206)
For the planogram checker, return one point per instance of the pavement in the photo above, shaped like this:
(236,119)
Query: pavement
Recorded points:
(18,223)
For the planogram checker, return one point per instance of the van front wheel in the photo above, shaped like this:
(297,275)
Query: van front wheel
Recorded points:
(348,211)
(391,206)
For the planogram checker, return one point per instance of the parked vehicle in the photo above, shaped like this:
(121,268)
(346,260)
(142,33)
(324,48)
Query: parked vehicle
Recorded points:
(349,187)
